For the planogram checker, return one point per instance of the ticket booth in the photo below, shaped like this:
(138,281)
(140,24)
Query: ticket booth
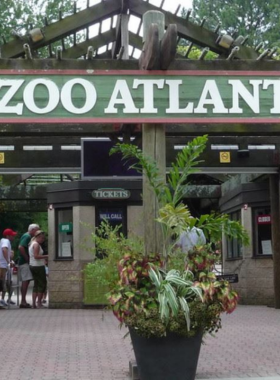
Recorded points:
(250,204)
(75,209)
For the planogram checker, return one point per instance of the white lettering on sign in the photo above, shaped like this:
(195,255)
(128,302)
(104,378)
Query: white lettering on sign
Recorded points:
(111,194)
(90,96)
(29,98)
(253,100)
(42,96)
(264,219)
(14,85)
(210,95)
(174,98)
(148,93)
(276,93)
(122,89)
(111,216)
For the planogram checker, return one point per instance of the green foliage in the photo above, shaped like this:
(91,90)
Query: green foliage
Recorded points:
(134,292)
(177,292)
(195,52)
(109,247)
(174,290)
(174,216)
(256,18)
(19,16)
(19,221)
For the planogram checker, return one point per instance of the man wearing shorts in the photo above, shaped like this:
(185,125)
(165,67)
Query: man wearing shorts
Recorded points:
(5,259)
(24,270)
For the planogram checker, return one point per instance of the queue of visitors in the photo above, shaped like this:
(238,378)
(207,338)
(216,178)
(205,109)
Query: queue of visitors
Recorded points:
(31,266)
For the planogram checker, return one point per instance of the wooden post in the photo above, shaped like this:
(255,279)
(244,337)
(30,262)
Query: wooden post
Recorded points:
(153,146)
(275,225)
(125,35)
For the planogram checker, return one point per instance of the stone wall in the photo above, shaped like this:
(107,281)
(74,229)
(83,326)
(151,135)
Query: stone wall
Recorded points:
(66,285)
(255,285)
(65,276)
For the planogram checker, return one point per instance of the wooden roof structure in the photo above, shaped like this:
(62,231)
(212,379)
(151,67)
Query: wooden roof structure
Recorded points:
(111,12)
(114,46)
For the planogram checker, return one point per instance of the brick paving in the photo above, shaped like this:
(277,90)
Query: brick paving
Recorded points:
(88,345)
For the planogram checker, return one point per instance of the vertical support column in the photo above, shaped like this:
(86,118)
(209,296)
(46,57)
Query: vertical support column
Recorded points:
(153,146)
(125,35)
(275,216)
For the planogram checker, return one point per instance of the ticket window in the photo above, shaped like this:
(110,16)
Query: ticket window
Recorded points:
(65,234)
(263,240)
(115,216)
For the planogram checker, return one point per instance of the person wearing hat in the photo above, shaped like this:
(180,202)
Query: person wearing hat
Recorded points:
(5,259)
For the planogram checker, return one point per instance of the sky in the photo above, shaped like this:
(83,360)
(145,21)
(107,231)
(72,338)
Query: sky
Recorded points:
(169,5)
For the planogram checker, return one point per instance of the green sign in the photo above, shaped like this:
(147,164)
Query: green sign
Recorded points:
(65,227)
(111,194)
(139,96)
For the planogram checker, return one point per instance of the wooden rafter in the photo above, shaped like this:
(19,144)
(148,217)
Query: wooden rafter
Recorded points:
(65,27)
(190,31)
(96,42)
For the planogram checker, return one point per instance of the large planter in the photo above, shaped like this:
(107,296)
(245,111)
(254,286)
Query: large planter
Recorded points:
(170,358)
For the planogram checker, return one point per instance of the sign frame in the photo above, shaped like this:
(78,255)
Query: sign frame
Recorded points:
(164,75)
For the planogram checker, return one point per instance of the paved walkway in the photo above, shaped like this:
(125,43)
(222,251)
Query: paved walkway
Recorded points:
(88,345)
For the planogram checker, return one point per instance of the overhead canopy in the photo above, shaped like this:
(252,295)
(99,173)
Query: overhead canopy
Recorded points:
(108,36)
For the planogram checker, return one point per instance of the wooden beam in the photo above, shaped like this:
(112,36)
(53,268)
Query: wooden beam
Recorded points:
(238,158)
(149,58)
(154,141)
(23,193)
(66,64)
(224,129)
(190,31)
(203,191)
(24,205)
(168,47)
(111,64)
(122,36)
(59,130)
(135,41)
(62,28)
(125,35)
(87,130)
(57,139)
(96,42)
(13,180)
(117,40)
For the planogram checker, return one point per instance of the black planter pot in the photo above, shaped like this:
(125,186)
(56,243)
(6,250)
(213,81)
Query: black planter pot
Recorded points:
(170,358)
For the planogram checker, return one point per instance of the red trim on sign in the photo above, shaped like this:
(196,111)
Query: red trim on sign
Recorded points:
(90,72)
(112,120)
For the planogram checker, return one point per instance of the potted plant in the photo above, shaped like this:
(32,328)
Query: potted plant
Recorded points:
(167,299)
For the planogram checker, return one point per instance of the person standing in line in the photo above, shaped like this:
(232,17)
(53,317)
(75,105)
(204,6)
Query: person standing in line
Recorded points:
(5,259)
(9,280)
(37,267)
(24,270)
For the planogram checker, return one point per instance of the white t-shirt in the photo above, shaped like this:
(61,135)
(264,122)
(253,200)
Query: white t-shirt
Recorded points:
(5,243)
(191,238)
(33,262)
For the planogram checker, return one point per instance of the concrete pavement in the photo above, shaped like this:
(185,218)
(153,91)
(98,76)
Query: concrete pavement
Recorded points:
(88,345)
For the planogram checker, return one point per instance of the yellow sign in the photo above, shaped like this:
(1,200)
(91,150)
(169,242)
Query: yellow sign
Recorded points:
(2,158)
(224,157)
